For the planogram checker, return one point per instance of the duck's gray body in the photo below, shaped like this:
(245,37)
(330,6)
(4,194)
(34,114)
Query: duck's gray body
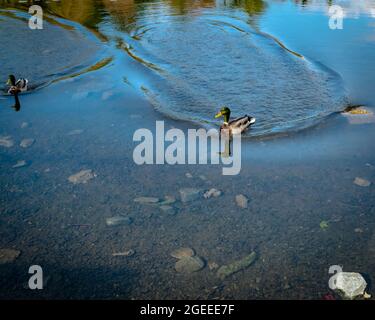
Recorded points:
(239,125)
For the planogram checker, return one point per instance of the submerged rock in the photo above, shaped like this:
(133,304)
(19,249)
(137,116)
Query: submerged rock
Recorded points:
(146,200)
(227,270)
(189,264)
(367,295)
(82,177)
(8,255)
(24,125)
(351,284)
(213,266)
(212,193)
(135,116)
(6,141)
(183,253)
(127,253)
(20,164)
(242,201)
(168,200)
(188,175)
(324,225)
(118,221)
(190,194)
(168,209)
(75,132)
(361,182)
(27,143)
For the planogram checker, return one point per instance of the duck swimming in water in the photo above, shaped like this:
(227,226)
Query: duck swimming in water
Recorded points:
(236,126)
(18,86)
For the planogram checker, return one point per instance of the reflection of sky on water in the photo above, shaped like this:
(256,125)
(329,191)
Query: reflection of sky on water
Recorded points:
(352,8)
(348,51)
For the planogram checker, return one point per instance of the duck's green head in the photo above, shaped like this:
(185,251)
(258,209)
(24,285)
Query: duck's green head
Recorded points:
(224,112)
(11,80)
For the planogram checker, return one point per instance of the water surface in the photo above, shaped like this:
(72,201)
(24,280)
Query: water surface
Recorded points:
(61,50)
(178,61)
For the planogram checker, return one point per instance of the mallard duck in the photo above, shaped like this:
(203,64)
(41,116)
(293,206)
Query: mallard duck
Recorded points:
(17,86)
(236,126)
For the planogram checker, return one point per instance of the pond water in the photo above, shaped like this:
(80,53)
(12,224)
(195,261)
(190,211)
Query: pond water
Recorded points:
(209,57)
(62,50)
(102,69)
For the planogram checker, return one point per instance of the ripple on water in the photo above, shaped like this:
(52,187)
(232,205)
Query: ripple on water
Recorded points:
(58,51)
(209,62)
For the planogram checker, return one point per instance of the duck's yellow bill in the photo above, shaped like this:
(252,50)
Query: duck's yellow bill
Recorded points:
(218,115)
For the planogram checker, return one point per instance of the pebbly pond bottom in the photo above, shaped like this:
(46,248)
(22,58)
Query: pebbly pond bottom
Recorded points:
(98,239)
